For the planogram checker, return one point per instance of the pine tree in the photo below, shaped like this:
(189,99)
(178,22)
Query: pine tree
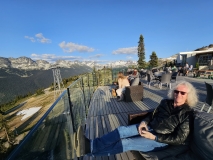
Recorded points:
(141,53)
(153,60)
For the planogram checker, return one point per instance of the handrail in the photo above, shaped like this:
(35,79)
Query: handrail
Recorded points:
(15,151)
(86,86)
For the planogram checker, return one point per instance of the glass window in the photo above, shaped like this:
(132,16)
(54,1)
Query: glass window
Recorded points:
(203,60)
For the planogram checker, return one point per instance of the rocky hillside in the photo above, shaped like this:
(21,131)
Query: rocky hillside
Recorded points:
(161,61)
(205,48)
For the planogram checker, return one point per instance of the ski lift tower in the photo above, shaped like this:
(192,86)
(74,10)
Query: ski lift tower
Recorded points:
(58,83)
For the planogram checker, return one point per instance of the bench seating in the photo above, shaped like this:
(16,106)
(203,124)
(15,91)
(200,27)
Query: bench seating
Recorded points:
(200,147)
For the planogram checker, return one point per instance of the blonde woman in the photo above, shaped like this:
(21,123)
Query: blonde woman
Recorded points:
(122,82)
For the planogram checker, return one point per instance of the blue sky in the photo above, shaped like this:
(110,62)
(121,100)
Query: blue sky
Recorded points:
(103,30)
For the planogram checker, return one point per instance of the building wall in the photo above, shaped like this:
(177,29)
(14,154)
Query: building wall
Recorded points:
(179,58)
(191,59)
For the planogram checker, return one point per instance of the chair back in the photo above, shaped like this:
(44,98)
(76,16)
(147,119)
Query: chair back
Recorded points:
(158,74)
(135,82)
(166,78)
(149,77)
(209,95)
(174,75)
(143,74)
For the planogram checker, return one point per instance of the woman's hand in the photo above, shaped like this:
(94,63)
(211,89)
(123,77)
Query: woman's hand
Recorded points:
(142,127)
(148,135)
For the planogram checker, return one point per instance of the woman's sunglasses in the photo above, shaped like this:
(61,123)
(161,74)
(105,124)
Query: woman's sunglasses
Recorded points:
(181,92)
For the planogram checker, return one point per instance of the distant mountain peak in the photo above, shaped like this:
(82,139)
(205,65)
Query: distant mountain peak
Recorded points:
(29,64)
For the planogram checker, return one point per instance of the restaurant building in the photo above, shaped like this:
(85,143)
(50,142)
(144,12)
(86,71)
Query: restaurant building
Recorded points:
(204,58)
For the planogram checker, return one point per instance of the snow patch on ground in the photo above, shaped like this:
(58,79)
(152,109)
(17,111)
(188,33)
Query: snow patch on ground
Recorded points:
(28,112)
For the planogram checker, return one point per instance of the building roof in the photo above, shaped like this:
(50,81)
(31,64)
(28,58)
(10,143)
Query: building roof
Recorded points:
(210,50)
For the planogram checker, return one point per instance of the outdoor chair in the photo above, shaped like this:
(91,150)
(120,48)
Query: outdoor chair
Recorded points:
(134,93)
(143,74)
(165,79)
(174,76)
(135,81)
(209,97)
(157,74)
(150,78)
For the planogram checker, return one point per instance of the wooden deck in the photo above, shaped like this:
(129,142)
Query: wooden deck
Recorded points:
(105,113)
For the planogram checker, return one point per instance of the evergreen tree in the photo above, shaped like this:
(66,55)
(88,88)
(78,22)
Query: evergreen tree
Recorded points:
(141,53)
(94,69)
(153,60)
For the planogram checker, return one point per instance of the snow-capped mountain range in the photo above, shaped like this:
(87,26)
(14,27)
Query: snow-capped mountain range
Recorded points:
(29,64)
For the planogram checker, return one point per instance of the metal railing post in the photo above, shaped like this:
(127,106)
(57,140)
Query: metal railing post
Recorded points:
(82,84)
(89,89)
(71,113)
(104,76)
(98,79)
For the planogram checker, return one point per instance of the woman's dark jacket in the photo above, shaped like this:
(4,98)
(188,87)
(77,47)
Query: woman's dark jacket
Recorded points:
(172,125)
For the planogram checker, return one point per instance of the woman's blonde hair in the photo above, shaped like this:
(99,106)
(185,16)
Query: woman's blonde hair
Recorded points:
(121,75)
(192,97)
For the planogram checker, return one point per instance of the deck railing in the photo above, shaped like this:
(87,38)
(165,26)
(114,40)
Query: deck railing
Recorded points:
(52,135)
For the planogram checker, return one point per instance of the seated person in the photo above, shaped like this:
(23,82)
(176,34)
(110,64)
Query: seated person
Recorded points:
(189,69)
(122,82)
(170,124)
(174,69)
(132,76)
(185,71)
(180,71)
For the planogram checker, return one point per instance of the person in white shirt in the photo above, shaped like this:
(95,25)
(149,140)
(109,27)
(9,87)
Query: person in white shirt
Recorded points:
(187,66)
(191,67)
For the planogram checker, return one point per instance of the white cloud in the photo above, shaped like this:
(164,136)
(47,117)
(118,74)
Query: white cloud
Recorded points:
(129,57)
(39,37)
(30,38)
(42,39)
(72,47)
(130,50)
(96,56)
(53,57)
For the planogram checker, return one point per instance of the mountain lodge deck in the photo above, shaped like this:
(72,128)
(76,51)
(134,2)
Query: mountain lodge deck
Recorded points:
(52,139)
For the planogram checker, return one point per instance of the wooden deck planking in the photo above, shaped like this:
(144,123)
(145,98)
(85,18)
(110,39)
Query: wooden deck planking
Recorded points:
(106,114)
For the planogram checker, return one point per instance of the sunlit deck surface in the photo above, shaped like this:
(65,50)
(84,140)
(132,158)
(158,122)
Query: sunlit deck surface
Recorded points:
(105,113)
